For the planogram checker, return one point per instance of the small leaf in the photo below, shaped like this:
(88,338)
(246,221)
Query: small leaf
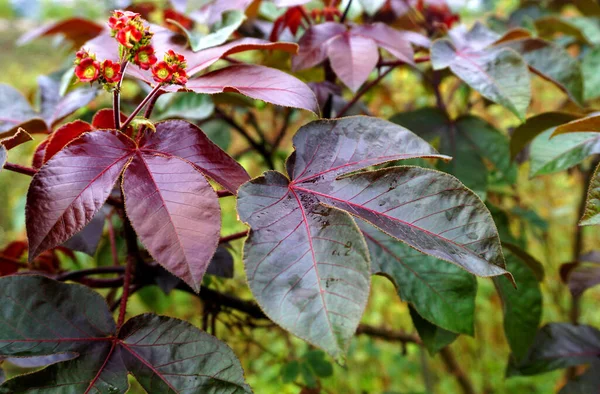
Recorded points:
(522,306)
(591,214)
(584,125)
(499,74)
(591,79)
(352,57)
(558,345)
(175,213)
(396,42)
(317,362)
(10,140)
(290,371)
(434,338)
(554,154)
(581,276)
(314,44)
(184,105)
(258,82)
(231,21)
(221,263)
(535,125)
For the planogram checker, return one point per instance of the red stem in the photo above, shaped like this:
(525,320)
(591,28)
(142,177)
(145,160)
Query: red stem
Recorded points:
(113,242)
(136,111)
(233,237)
(117,98)
(20,169)
(126,286)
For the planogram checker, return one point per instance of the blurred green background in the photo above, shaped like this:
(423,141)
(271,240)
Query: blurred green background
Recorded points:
(270,357)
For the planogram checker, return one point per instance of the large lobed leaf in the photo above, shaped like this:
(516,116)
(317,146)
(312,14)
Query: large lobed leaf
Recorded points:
(171,205)
(306,260)
(43,317)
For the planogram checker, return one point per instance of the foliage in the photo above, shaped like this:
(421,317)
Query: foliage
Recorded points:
(430,200)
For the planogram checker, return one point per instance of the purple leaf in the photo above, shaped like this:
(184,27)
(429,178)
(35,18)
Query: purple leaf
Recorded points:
(392,40)
(175,213)
(78,30)
(67,192)
(15,112)
(313,44)
(352,58)
(258,82)
(185,140)
(55,107)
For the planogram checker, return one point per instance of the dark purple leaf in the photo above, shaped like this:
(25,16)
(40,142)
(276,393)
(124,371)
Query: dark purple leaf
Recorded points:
(581,276)
(307,262)
(69,190)
(46,319)
(10,140)
(185,140)
(175,213)
(559,345)
(352,58)
(258,82)
(586,383)
(313,44)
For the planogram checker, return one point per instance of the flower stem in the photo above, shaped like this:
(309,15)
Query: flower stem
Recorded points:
(136,111)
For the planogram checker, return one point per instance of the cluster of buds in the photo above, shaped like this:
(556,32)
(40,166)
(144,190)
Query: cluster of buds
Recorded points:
(134,38)
(88,69)
(171,70)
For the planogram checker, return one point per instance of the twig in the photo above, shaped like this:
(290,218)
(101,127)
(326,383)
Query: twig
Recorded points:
(20,169)
(260,148)
(113,242)
(145,101)
(117,97)
(126,288)
(74,275)
(364,90)
(454,368)
(233,237)
(343,18)
(282,130)
(388,335)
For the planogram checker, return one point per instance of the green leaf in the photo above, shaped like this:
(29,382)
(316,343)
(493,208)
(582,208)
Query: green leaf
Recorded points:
(552,62)
(219,132)
(43,317)
(591,78)
(522,305)
(534,126)
(499,74)
(187,105)
(554,154)
(290,371)
(442,293)
(434,338)
(318,363)
(591,215)
(471,141)
(231,21)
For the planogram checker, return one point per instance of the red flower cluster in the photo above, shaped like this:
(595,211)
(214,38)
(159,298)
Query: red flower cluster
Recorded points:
(437,13)
(88,69)
(171,70)
(134,38)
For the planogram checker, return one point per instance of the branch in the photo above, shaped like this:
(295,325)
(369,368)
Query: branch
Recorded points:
(364,90)
(145,101)
(74,275)
(20,169)
(233,237)
(454,368)
(343,18)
